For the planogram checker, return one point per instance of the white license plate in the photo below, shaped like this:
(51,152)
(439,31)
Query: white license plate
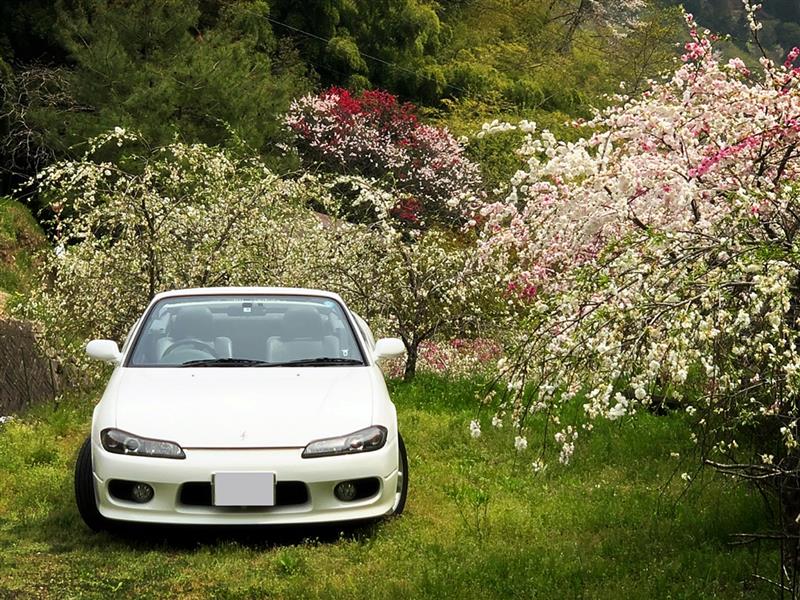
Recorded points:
(243,489)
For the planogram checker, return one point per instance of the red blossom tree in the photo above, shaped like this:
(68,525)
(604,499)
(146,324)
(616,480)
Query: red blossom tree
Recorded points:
(376,136)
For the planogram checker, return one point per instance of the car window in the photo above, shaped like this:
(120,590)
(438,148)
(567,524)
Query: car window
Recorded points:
(264,329)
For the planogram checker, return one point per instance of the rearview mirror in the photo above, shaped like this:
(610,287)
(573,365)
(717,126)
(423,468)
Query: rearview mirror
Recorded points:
(105,350)
(389,348)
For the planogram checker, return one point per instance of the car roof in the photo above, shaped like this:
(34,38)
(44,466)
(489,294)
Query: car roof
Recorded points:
(265,291)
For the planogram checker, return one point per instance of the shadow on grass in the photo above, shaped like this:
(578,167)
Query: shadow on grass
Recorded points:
(64,531)
(188,537)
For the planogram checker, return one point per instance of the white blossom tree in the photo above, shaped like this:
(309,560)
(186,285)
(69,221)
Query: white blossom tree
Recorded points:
(178,216)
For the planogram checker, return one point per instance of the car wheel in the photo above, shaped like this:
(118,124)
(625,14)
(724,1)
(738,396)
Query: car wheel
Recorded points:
(84,489)
(402,479)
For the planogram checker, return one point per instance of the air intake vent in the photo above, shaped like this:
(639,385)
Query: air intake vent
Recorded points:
(287,493)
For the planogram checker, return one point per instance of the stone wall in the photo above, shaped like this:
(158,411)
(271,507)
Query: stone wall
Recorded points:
(26,376)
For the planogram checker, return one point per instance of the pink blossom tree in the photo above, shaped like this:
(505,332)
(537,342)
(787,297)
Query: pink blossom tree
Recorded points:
(661,263)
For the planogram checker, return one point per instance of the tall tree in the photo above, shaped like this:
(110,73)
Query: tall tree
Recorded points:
(190,64)
(204,70)
(363,43)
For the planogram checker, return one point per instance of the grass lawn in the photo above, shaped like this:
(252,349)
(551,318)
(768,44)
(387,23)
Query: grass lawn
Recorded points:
(601,528)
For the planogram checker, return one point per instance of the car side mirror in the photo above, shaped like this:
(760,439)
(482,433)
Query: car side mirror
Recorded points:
(389,348)
(105,350)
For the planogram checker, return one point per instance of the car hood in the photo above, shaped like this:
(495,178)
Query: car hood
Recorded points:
(243,407)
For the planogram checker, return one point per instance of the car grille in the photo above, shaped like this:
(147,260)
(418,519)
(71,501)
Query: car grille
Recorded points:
(287,493)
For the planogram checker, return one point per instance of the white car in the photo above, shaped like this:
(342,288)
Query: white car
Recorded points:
(243,406)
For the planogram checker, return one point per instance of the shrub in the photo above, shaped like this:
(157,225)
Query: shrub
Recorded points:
(375,136)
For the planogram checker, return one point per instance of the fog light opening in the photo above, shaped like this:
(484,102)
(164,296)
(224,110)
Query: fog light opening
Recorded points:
(141,493)
(345,491)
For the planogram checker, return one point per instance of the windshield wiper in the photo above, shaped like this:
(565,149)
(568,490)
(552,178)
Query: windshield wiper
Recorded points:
(225,362)
(322,361)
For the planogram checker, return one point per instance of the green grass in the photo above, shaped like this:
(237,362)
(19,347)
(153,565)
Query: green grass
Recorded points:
(20,239)
(601,528)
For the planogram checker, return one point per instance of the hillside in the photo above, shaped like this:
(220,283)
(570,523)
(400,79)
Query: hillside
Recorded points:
(780,20)
(20,239)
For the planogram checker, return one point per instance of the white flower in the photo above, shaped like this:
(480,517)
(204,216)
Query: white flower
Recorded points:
(617,411)
(520,443)
(566,453)
(497,422)
(475,429)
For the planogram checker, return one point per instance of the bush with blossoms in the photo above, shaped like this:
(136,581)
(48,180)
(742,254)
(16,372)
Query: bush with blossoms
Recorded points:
(660,259)
(177,216)
(375,136)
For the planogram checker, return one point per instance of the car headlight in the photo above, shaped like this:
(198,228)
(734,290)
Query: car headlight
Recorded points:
(122,442)
(364,440)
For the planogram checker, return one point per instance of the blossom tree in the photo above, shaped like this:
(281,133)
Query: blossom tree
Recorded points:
(177,216)
(661,258)
(394,192)
(417,284)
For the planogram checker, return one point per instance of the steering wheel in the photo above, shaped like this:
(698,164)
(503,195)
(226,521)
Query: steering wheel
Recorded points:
(193,343)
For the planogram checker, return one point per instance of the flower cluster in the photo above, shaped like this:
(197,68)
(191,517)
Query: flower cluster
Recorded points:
(659,163)
(375,136)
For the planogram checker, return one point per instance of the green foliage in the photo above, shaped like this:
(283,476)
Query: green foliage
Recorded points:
(177,66)
(20,240)
(203,71)
(391,43)
(549,56)
(605,528)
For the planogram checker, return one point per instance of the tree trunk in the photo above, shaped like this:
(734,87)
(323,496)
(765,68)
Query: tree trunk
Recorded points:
(412,353)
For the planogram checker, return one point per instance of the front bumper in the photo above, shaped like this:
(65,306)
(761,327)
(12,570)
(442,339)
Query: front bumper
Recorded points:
(320,475)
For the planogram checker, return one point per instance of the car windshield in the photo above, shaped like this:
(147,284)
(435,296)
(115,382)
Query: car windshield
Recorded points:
(246,331)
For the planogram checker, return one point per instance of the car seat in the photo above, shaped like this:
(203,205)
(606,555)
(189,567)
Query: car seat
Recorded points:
(302,336)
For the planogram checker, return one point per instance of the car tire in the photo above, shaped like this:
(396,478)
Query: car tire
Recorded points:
(85,496)
(402,494)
